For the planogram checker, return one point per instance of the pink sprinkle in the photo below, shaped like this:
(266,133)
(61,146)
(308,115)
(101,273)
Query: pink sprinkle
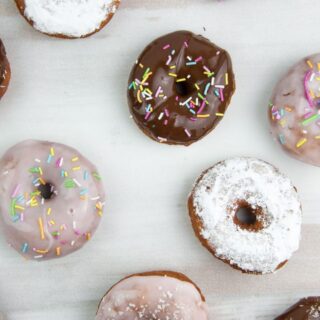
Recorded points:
(166,47)
(59,162)
(63,242)
(307,115)
(177,98)
(202,107)
(221,94)
(158,91)
(165,122)
(306,89)
(147,115)
(15,191)
(198,59)
(187,133)
(21,217)
(206,68)
(166,112)
(169,60)
(193,119)
(186,44)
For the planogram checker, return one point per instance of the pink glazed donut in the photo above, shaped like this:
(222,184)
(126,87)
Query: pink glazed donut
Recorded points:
(51,199)
(294,111)
(157,295)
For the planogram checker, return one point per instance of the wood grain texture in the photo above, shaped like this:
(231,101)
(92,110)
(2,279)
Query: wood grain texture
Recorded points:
(75,92)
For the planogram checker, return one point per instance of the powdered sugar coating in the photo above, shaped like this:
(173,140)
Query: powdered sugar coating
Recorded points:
(73,18)
(152,297)
(215,198)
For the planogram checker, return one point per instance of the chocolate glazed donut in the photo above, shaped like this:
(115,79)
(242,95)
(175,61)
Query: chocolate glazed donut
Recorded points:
(180,88)
(5,72)
(305,309)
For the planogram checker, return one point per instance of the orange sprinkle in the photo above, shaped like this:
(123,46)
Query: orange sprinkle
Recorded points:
(310,64)
(58,251)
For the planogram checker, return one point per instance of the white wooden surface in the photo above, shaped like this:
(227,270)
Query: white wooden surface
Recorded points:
(75,92)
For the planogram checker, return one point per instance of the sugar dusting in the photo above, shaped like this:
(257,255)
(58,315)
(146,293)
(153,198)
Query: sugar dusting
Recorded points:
(74,18)
(260,185)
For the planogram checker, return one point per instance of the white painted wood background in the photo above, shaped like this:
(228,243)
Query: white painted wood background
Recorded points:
(75,92)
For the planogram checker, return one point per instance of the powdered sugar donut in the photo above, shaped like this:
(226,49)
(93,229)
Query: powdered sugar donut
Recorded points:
(247,214)
(294,111)
(51,199)
(5,72)
(68,18)
(159,295)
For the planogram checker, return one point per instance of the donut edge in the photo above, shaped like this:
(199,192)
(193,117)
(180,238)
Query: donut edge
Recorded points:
(197,224)
(162,273)
(21,7)
(7,69)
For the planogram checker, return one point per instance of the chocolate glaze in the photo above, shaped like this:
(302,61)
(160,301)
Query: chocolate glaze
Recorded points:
(166,117)
(4,70)
(305,309)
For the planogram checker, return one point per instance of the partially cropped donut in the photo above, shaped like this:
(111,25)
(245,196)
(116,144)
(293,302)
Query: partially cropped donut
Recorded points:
(294,111)
(51,199)
(305,309)
(180,88)
(5,72)
(159,295)
(246,213)
(68,18)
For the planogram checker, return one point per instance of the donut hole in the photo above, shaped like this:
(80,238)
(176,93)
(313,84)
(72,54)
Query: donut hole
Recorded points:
(47,191)
(183,88)
(249,218)
(246,216)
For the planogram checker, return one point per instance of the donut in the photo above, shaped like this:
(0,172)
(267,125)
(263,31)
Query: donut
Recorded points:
(51,199)
(180,88)
(159,295)
(247,214)
(294,111)
(68,18)
(305,309)
(5,72)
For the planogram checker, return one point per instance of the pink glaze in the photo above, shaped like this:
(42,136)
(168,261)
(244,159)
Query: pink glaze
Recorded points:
(153,297)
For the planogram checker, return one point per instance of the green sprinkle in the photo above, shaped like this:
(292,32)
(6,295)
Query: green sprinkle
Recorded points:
(96,175)
(308,120)
(69,183)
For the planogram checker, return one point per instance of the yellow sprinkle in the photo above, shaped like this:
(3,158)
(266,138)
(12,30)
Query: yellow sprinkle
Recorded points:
(312,94)
(40,170)
(181,80)
(58,251)
(100,213)
(74,159)
(41,251)
(66,173)
(52,152)
(19,207)
(218,114)
(172,67)
(76,168)
(141,65)
(301,142)
(172,75)
(227,79)
(40,222)
(317,137)
(318,64)
(138,96)
(282,123)
(310,64)
(203,115)
(99,205)
(197,87)
(49,211)
(42,181)
(148,90)
(52,222)
(88,236)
